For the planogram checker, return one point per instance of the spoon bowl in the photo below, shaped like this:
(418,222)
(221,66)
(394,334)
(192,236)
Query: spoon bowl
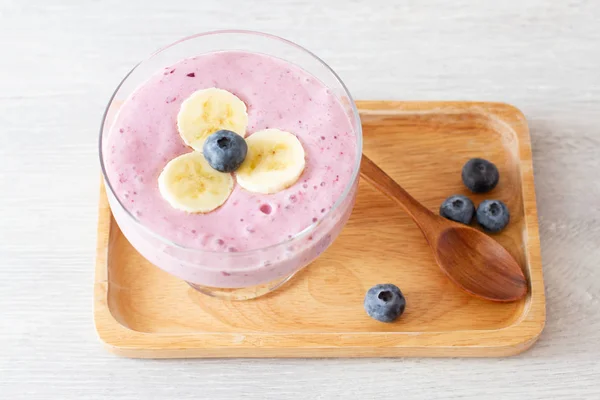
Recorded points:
(492,273)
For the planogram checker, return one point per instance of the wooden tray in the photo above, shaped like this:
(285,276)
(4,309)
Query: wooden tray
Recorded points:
(141,311)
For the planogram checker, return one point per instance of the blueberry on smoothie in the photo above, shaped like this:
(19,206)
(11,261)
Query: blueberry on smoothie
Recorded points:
(225,150)
(458,208)
(385,302)
(493,215)
(480,175)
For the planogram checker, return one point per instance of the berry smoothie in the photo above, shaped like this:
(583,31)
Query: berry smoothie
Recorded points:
(216,248)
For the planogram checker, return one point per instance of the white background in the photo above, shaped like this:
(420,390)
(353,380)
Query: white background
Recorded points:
(59,63)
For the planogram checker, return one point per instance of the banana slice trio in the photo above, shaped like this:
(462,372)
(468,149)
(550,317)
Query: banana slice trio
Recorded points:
(275,158)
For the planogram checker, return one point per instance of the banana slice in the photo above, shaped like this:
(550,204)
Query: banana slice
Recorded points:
(275,161)
(189,184)
(207,111)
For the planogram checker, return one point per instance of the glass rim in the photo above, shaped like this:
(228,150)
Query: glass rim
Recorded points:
(303,233)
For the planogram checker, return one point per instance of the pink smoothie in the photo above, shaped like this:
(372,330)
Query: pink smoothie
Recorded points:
(144,137)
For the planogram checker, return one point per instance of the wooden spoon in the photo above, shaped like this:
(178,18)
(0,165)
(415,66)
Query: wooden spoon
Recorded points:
(470,258)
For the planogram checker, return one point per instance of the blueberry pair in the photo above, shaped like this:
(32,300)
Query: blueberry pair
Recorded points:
(492,215)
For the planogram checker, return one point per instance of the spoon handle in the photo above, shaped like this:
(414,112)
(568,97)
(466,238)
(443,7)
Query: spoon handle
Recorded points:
(370,172)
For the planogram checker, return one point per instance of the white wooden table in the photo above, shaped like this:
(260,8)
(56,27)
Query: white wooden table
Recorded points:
(59,63)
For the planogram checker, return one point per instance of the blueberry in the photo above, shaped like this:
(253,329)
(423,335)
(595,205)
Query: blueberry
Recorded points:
(480,175)
(493,215)
(458,208)
(225,150)
(385,302)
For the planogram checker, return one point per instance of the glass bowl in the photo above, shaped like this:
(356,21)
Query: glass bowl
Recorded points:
(246,274)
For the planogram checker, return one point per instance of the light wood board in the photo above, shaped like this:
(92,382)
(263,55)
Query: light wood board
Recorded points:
(141,311)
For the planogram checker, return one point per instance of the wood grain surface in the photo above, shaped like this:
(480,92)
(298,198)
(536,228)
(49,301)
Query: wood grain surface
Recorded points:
(141,311)
(62,59)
